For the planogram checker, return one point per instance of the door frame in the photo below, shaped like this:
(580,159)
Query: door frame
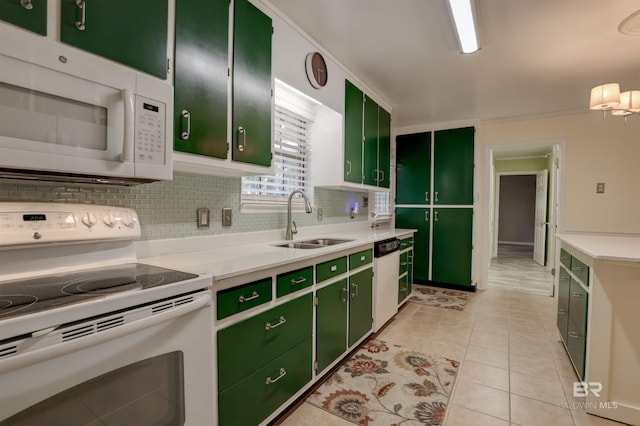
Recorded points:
(557,216)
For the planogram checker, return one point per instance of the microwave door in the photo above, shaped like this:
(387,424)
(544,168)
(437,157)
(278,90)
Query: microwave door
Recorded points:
(74,125)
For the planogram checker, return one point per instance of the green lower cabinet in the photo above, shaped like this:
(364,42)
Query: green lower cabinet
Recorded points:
(249,344)
(452,245)
(252,132)
(253,399)
(403,288)
(360,305)
(132,33)
(32,19)
(417,218)
(562,318)
(331,323)
(577,346)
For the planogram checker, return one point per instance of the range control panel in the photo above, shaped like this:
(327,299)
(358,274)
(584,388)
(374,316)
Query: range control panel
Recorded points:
(38,223)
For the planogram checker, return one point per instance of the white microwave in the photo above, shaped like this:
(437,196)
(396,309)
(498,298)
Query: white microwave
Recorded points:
(69,116)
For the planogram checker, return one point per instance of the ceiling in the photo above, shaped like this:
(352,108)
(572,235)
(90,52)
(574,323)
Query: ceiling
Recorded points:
(537,57)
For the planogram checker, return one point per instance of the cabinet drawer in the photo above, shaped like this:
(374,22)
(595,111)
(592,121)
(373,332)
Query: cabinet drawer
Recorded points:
(254,398)
(327,270)
(252,343)
(578,300)
(241,298)
(404,263)
(406,243)
(294,281)
(359,259)
(576,345)
(565,258)
(580,270)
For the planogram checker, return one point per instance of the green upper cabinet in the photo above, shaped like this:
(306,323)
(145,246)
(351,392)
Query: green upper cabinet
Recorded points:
(201,77)
(384,147)
(370,171)
(360,305)
(353,119)
(452,245)
(129,32)
(413,168)
(252,89)
(453,167)
(417,218)
(30,15)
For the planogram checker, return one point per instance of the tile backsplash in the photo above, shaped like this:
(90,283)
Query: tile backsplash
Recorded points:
(168,209)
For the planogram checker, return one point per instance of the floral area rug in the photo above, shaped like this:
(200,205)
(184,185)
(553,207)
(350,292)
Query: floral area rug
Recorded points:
(440,297)
(385,384)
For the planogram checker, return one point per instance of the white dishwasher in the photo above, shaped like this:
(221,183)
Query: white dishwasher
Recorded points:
(386,267)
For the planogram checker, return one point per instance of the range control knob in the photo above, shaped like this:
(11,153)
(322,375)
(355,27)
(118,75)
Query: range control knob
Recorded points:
(89,219)
(127,220)
(109,220)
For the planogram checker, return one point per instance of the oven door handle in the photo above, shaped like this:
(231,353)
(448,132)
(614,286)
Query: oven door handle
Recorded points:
(34,349)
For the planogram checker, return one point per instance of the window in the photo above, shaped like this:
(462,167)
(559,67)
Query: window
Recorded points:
(291,154)
(381,207)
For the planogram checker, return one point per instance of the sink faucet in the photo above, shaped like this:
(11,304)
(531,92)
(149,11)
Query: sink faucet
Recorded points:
(291,225)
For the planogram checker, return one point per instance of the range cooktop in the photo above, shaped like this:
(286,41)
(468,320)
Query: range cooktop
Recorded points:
(30,295)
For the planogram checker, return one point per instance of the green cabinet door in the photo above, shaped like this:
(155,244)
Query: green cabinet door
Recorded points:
(417,218)
(201,76)
(353,116)
(331,323)
(413,168)
(252,131)
(452,245)
(133,33)
(384,147)
(453,167)
(360,305)
(370,171)
(32,18)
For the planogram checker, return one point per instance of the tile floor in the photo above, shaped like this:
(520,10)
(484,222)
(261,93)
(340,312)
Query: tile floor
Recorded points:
(514,369)
(514,262)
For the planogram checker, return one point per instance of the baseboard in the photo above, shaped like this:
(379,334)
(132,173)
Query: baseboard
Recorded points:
(516,243)
(470,288)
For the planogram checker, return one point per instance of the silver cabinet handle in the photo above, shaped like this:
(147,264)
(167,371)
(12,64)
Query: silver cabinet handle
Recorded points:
(243,299)
(564,258)
(376,172)
(575,335)
(403,263)
(186,115)
(426,216)
(348,167)
(334,268)
(426,196)
(382,178)
(26,4)
(436,196)
(242,132)
(300,280)
(562,312)
(83,20)
(354,285)
(564,279)
(344,294)
(435,214)
(578,295)
(363,258)
(270,326)
(576,269)
(280,376)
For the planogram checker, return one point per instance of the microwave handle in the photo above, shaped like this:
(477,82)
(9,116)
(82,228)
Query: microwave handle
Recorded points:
(127,143)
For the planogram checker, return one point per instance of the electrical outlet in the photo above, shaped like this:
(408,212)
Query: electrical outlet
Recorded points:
(600,188)
(320,214)
(202,219)
(226,217)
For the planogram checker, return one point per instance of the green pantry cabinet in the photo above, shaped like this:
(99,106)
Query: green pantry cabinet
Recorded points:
(434,194)
(30,15)
(264,331)
(201,93)
(573,302)
(367,139)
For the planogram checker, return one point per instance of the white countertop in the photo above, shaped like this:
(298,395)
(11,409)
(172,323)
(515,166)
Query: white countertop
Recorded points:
(605,247)
(232,255)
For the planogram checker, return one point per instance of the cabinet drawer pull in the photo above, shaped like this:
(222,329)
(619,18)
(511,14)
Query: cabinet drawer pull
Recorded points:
(426,216)
(26,4)
(300,280)
(564,279)
(403,263)
(564,258)
(242,132)
(187,116)
(575,335)
(576,269)
(83,20)
(280,376)
(243,299)
(334,268)
(578,295)
(363,258)
(435,196)
(562,312)
(354,285)
(270,326)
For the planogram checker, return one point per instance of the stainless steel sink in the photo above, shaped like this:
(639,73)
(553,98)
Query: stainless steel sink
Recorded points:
(314,243)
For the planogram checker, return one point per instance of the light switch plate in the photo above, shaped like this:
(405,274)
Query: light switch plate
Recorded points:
(226,217)
(600,188)
(203,218)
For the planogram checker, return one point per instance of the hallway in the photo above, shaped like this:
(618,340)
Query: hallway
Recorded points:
(514,269)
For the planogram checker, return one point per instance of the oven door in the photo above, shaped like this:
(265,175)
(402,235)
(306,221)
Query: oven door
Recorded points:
(152,365)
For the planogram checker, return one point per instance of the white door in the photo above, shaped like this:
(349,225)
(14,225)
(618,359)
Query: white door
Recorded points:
(540,235)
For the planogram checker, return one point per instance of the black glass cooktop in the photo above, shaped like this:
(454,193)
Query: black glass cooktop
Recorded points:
(31,295)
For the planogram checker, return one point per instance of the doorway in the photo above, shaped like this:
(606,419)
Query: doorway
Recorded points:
(523,210)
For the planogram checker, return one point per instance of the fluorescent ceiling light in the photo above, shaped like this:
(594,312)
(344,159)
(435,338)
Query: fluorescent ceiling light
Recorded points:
(463,15)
